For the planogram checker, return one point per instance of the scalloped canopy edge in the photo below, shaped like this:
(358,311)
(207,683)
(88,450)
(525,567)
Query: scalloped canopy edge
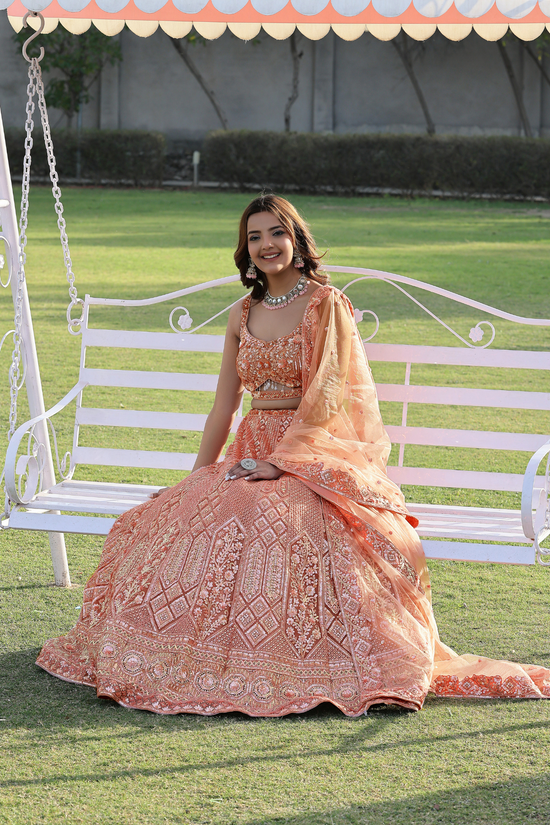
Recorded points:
(247,22)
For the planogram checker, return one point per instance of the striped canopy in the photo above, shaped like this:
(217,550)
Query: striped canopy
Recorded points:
(279,18)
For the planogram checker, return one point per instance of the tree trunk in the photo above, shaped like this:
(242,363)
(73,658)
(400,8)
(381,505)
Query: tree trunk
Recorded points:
(515,88)
(184,54)
(296,57)
(403,52)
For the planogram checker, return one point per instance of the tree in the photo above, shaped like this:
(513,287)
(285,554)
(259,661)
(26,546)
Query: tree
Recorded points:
(79,59)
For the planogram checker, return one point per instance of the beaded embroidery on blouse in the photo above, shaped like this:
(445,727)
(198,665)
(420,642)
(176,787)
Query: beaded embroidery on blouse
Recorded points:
(270,369)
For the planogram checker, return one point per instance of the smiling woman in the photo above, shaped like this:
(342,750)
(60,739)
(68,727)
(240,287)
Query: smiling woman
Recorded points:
(289,573)
(277,256)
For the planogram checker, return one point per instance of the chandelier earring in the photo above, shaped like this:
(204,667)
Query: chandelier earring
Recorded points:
(251,272)
(298,260)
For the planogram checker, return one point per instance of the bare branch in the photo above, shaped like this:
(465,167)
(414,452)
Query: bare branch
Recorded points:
(538,61)
(296,57)
(403,52)
(184,54)
(515,88)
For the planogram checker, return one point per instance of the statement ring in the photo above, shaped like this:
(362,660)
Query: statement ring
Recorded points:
(248,464)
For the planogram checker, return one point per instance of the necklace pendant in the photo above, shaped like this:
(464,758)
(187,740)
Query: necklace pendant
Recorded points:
(299,288)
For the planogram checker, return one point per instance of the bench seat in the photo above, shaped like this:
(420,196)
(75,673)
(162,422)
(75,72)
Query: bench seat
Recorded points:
(106,500)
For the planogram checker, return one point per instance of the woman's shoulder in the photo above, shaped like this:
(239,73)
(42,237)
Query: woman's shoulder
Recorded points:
(238,306)
(321,291)
(236,314)
(328,292)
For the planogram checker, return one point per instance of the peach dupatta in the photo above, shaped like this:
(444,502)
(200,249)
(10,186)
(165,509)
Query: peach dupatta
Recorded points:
(337,443)
(338,447)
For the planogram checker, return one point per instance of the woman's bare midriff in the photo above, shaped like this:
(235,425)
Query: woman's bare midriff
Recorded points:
(275,404)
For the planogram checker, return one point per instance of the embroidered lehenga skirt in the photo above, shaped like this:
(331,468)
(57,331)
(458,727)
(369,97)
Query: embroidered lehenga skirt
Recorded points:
(261,597)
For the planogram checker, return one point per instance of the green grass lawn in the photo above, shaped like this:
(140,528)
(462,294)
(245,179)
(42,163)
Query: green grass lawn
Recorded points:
(67,756)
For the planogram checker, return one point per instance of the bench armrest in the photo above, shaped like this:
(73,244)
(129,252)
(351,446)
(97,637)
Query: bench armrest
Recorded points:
(31,465)
(536,525)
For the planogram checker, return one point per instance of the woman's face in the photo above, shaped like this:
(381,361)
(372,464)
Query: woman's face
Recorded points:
(269,244)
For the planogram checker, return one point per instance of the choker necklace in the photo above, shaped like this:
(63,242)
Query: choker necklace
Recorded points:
(269,302)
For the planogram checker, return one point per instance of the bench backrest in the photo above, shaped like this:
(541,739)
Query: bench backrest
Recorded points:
(407,395)
(137,379)
(412,398)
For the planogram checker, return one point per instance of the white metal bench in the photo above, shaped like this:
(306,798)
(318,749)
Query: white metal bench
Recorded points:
(478,533)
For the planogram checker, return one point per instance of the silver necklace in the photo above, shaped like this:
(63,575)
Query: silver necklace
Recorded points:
(299,288)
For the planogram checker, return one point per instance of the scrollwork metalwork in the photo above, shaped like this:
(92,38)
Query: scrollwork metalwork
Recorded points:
(543,553)
(6,513)
(9,332)
(30,466)
(2,262)
(476,333)
(61,465)
(358,315)
(29,469)
(184,321)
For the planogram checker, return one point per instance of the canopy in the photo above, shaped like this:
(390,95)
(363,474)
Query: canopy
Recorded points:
(279,18)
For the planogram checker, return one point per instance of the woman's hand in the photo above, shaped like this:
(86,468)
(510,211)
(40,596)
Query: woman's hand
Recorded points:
(159,492)
(264,470)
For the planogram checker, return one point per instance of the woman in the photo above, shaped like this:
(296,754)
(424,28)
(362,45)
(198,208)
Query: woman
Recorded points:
(289,573)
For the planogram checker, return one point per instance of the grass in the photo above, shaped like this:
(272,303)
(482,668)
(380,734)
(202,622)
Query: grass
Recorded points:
(67,756)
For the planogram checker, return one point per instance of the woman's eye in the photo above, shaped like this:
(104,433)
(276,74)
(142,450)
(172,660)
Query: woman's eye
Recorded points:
(254,238)
(279,232)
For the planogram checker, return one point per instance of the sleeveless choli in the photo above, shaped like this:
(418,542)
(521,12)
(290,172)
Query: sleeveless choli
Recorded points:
(270,597)
(270,369)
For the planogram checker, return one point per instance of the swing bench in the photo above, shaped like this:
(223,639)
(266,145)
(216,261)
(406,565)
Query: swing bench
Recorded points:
(36,502)
(478,533)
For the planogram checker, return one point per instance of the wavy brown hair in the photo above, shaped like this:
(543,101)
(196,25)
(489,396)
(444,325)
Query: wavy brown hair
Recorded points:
(301,237)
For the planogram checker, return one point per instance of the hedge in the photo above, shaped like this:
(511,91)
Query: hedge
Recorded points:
(307,162)
(114,156)
(410,163)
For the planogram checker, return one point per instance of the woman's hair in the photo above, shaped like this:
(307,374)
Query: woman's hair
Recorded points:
(301,237)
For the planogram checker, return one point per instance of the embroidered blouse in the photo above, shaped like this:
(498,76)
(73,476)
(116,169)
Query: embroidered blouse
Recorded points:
(270,369)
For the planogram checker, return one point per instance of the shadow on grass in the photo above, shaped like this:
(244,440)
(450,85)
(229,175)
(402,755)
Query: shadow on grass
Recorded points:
(35,700)
(46,708)
(13,588)
(511,802)
(40,703)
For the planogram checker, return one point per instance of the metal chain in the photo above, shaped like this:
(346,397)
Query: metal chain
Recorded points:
(36,87)
(74,324)
(15,368)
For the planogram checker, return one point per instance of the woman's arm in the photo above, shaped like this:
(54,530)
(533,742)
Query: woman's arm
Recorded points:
(228,396)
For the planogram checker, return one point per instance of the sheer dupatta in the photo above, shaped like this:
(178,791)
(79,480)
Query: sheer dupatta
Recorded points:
(338,446)
(337,443)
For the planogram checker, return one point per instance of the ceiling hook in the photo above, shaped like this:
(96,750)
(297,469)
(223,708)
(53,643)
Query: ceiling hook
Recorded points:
(34,35)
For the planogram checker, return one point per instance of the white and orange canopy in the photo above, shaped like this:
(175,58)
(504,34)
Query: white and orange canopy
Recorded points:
(384,19)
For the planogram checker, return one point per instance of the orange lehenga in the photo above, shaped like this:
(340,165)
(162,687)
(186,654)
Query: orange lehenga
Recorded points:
(270,597)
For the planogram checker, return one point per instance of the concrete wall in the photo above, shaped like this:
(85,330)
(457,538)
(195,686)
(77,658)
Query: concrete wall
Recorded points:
(344,87)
